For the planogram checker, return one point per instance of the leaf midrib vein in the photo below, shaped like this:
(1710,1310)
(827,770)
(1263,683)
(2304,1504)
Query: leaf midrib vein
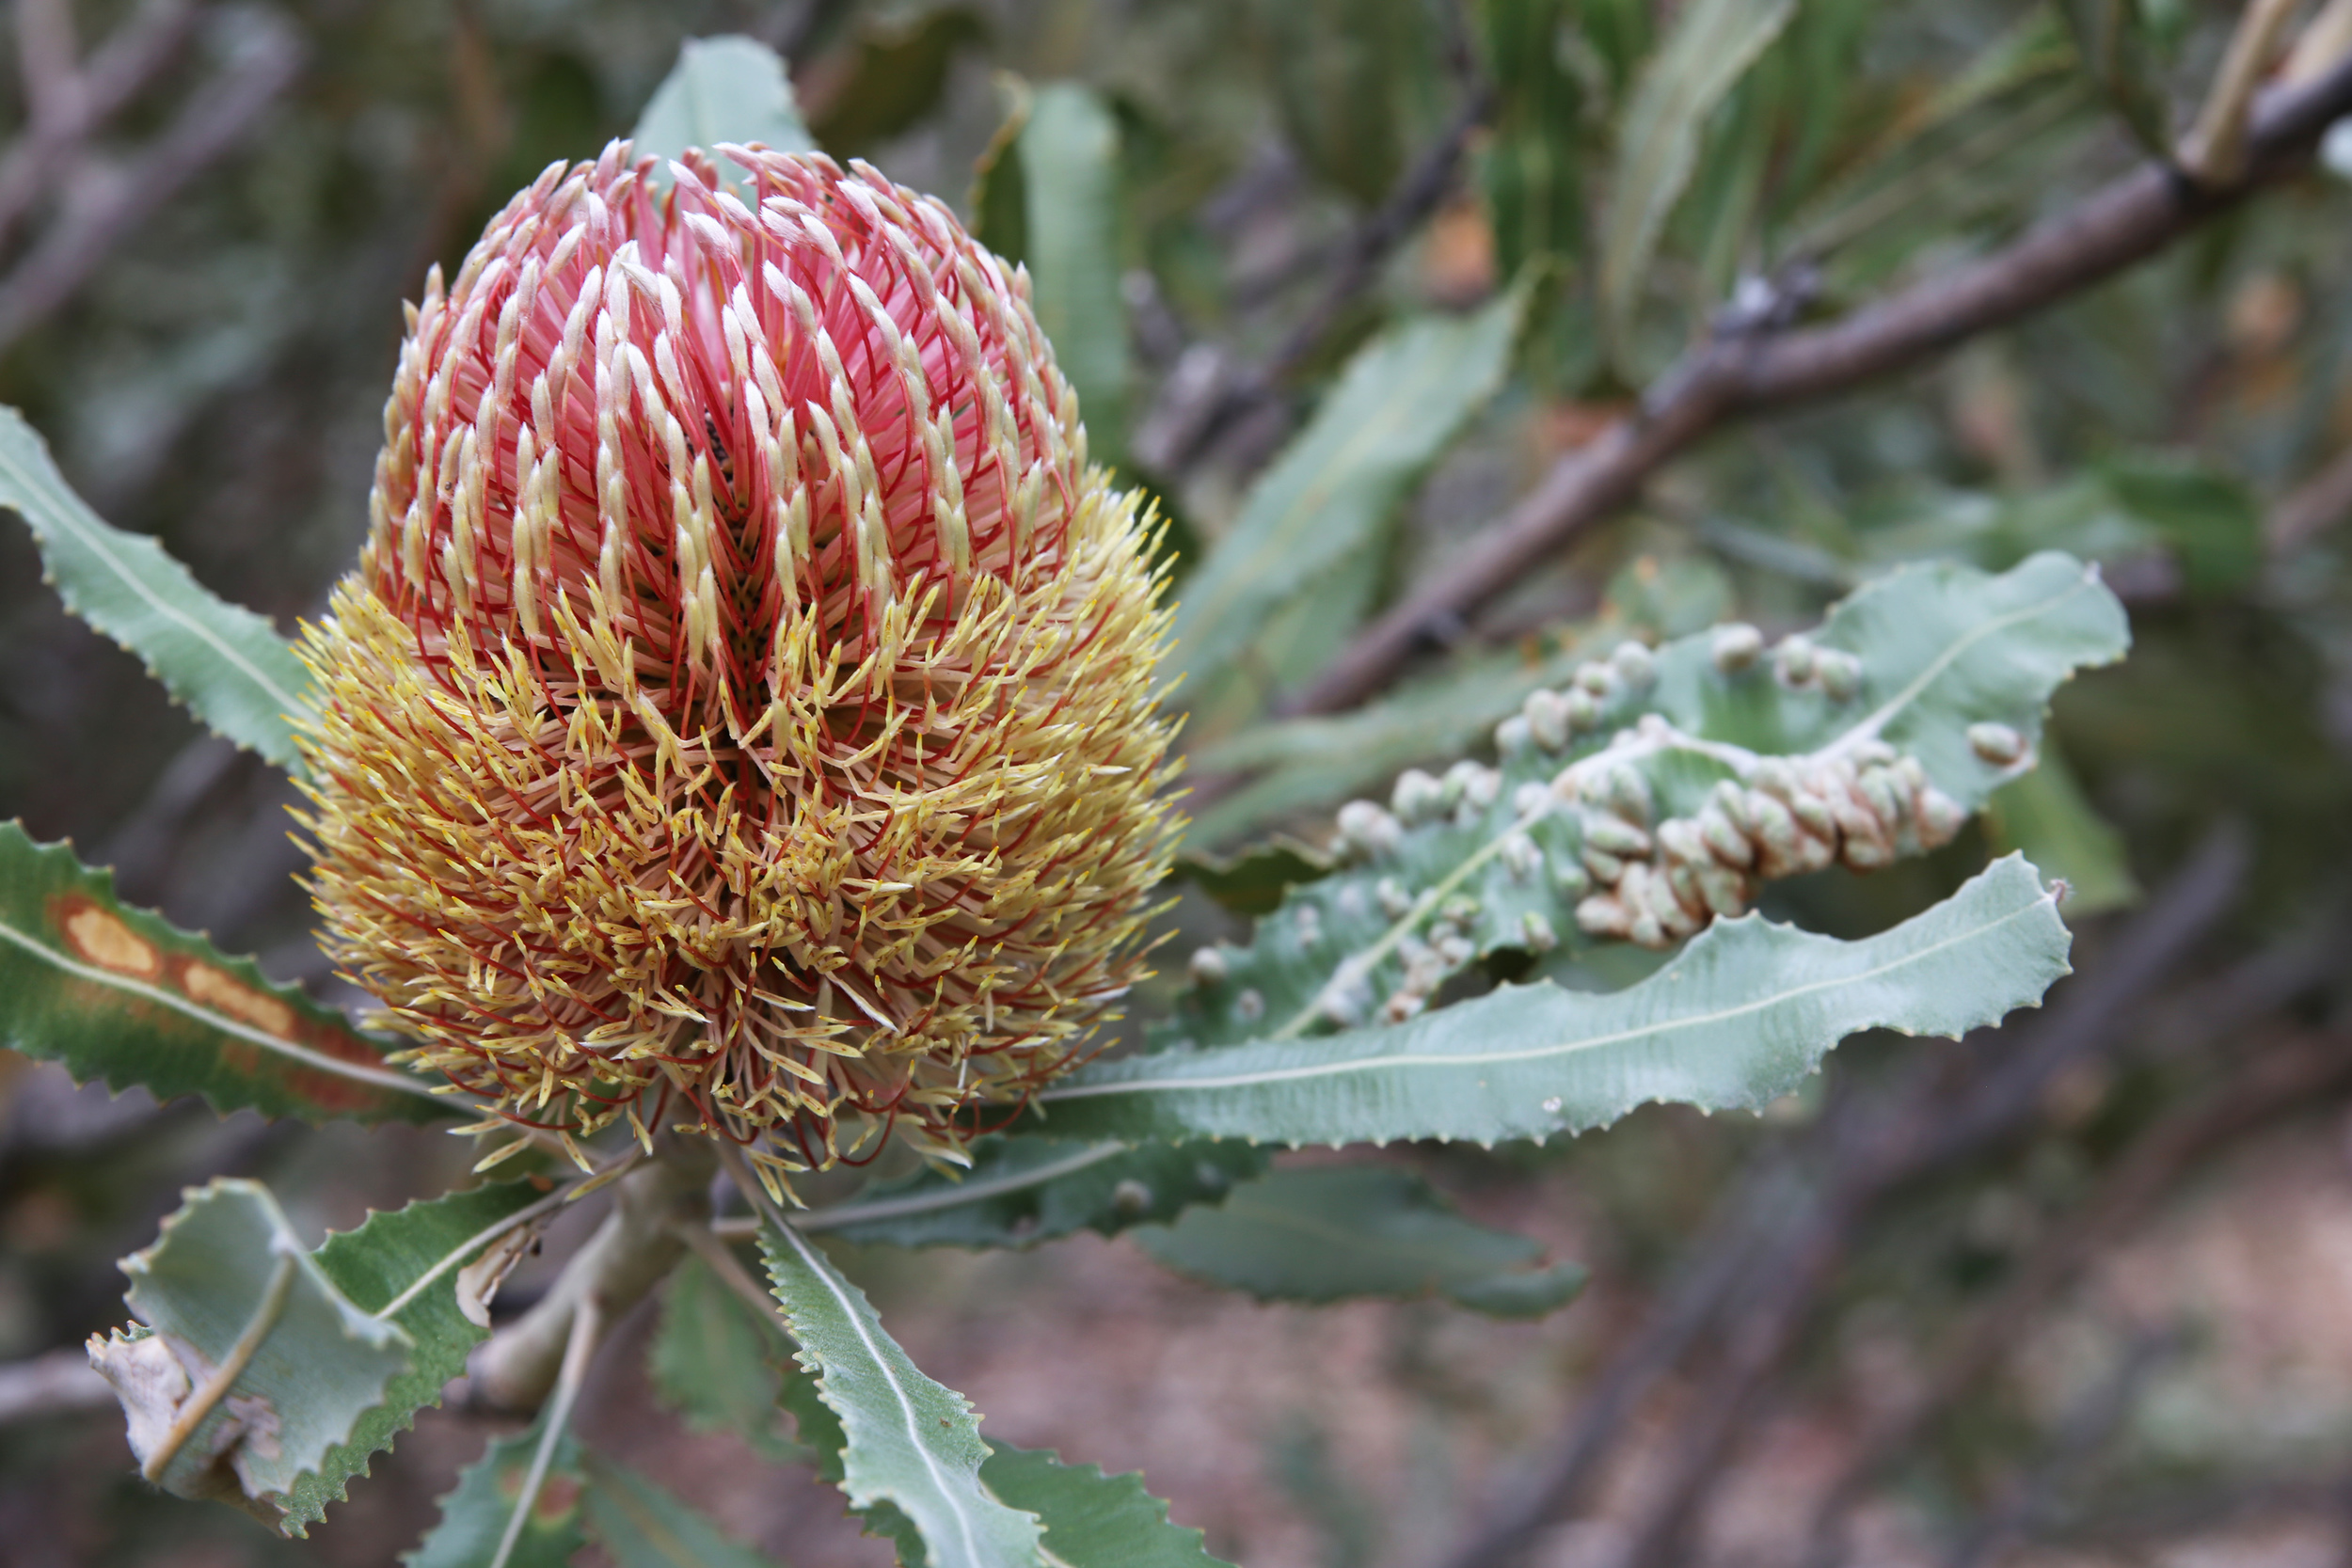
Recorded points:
(1379,1064)
(68,517)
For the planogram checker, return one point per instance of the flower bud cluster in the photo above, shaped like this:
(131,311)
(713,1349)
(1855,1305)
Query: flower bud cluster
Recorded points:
(1862,807)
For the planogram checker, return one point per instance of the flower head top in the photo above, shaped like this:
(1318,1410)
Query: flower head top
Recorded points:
(743,713)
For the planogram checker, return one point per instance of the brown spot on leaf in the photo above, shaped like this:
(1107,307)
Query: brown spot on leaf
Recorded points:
(100,936)
(225,993)
(559,1496)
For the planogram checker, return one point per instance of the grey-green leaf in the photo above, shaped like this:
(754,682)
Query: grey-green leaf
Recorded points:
(1326,1233)
(1093,1520)
(412,1256)
(229,665)
(909,1441)
(227,1267)
(642,1526)
(1023,1190)
(1070,185)
(1739,1017)
(712,1360)
(474,1515)
(1399,405)
(1931,665)
(120,995)
(722,89)
(1712,45)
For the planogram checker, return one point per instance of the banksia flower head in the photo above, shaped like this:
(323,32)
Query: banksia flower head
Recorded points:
(741,715)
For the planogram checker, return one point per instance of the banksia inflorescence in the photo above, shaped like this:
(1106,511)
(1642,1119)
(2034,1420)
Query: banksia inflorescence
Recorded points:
(743,713)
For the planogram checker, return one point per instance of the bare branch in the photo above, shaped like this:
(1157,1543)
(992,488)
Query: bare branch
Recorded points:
(57,1384)
(1873,1149)
(1746,371)
(208,127)
(132,56)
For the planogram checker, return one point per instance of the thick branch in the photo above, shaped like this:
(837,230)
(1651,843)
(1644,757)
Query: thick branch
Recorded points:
(1751,370)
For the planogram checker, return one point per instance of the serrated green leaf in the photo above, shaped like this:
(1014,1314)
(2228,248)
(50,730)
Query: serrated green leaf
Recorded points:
(1020,1190)
(712,1360)
(227,1268)
(120,995)
(910,1443)
(1710,46)
(229,665)
(1940,652)
(642,1526)
(1398,405)
(474,1515)
(1327,1234)
(730,88)
(2045,817)
(1740,1017)
(1093,1520)
(413,1256)
(1069,153)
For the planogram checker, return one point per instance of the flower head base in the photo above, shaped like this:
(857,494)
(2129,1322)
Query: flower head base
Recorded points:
(743,713)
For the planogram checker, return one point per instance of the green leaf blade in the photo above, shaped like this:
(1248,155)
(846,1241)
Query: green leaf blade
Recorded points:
(227,664)
(1397,406)
(910,1443)
(729,89)
(119,994)
(321,1364)
(1093,1520)
(1070,189)
(713,1362)
(1931,659)
(1329,1233)
(384,1259)
(1020,1190)
(474,1514)
(1712,44)
(643,1526)
(1740,1017)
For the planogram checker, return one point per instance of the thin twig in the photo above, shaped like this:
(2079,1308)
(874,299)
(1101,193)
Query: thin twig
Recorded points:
(702,1240)
(2214,151)
(132,56)
(200,1404)
(2083,1433)
(2281,1081)
(1352,271)
(587,1323)
(1733,375)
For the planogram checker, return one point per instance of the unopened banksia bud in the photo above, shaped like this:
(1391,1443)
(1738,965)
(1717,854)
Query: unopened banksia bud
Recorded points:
(742,714)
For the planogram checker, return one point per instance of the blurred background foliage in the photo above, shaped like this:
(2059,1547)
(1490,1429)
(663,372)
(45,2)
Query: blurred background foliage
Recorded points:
(2080,1290)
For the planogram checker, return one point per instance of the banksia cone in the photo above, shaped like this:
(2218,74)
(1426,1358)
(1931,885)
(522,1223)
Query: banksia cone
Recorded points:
(742,715)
